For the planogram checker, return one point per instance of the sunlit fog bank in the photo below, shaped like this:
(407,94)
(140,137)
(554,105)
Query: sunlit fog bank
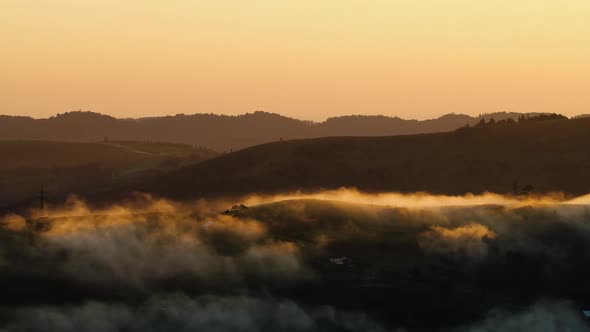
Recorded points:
(491,261)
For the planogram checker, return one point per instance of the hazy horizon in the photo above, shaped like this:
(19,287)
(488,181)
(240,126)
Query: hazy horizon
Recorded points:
(301,59)
(320,120)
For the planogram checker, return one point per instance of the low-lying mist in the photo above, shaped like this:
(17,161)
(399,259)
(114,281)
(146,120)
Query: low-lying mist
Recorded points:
(335,260)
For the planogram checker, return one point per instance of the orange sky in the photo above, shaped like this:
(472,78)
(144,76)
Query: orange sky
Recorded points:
(306,59)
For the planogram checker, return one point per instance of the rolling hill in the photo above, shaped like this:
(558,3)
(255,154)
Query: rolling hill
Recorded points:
(221,133)
(547,155)
(67,167)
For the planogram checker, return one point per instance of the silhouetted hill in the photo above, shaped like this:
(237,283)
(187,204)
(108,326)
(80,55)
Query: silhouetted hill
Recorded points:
(220,132)
(549,155)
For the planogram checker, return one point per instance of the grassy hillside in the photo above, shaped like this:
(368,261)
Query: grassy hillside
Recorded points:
(64,167)
(549,155)
(44,154)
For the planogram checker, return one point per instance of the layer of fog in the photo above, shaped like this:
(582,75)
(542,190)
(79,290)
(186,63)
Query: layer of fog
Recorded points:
(422,199)
(177,312)
(277,242)
(540,317)
(150,239)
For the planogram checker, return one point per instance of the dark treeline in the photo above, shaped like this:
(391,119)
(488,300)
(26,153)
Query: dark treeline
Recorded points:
(521,119)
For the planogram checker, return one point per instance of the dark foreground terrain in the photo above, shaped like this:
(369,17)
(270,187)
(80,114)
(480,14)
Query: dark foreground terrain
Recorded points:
(298,265)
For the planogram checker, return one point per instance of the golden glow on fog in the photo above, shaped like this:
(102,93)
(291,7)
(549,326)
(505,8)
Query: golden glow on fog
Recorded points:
(422,200)
(69,217)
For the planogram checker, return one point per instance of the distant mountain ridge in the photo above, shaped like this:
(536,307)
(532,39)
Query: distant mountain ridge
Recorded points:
(222,132)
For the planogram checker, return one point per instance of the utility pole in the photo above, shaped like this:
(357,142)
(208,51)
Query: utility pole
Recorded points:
(42,197)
